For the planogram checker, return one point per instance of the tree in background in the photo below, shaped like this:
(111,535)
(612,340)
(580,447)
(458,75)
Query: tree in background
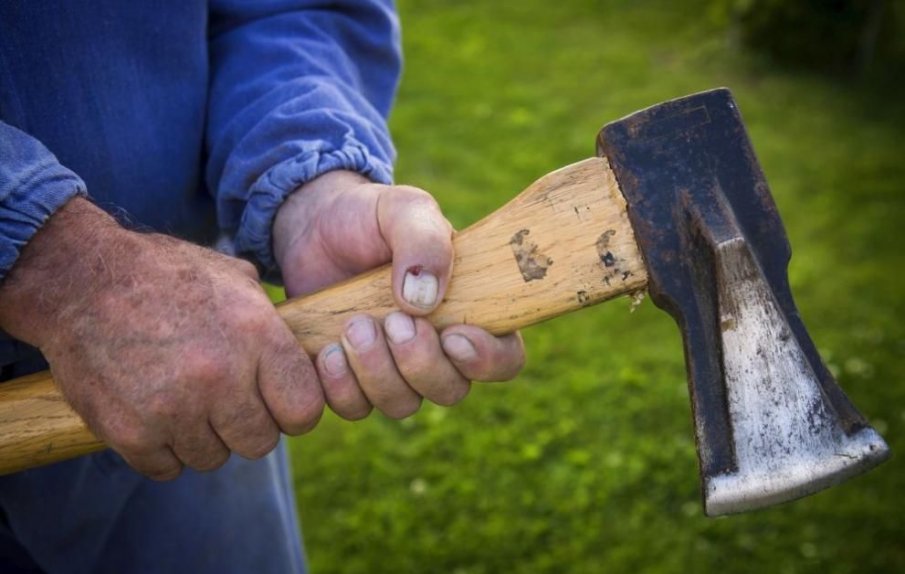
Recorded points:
(864,37)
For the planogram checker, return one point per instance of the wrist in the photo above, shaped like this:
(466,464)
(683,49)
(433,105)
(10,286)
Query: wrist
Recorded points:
(298,212)
(68,258)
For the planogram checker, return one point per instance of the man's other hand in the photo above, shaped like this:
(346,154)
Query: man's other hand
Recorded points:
(171,353)
(340,225)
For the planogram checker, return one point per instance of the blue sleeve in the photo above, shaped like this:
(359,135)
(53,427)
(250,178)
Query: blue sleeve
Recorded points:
(33,185)
(298,88)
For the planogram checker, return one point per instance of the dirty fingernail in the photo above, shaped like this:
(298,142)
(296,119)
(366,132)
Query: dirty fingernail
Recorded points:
(420,288)
(335,361)
(361,333)
(399,327)
(459,348)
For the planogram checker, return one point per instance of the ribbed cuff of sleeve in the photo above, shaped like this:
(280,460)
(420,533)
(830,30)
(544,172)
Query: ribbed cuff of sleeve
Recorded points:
(254,236)
(28,201)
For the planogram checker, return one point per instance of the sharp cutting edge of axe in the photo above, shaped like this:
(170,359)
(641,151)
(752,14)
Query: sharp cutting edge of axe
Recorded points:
(676,203)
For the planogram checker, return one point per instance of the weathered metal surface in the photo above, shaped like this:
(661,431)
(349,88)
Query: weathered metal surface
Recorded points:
(770,421)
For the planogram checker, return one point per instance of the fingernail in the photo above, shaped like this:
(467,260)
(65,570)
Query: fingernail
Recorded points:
(459,348)
(361,333)
(335,361)
(420,287)
(399,327)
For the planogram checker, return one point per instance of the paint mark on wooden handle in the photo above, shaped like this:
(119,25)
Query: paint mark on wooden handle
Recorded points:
(609,261)
(532,263)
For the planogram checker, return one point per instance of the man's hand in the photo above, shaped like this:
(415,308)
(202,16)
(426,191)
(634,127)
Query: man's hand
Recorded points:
(171,353)
(339,225)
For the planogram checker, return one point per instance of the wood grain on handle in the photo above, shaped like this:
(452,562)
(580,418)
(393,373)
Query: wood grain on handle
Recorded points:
(37,426)
(562,244)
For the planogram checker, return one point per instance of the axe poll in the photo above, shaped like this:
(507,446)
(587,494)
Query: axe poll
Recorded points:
(675,203)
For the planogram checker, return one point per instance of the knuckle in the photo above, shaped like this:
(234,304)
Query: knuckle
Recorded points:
(353,412)
(154,463)
(129,438)
(164,474)
(416,194)
(452,393)
(162,405)
(419,361)
(515,363)
(205,367)
(498,362)
(420,200)
(402,408)
(262,447)
(444,386)
(247,268)
(305,417)
(346,400)
(211,461)
(503,372)
(199,448)
(254,320)
(417,373)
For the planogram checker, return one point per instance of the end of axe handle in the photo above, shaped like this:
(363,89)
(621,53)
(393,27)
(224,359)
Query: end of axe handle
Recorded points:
(38,426)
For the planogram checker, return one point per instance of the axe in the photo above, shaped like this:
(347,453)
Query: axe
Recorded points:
(675,203)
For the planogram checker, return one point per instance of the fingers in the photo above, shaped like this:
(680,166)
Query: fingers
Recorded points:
(416,351)
(394,367)
(391,369)
(199,447)
(175,431)
(341,388)
(143,448)
(288,383)
(246,427)
(379,380)
(160,464)
(420,239)
(249,430)
(480,356)
(192,441)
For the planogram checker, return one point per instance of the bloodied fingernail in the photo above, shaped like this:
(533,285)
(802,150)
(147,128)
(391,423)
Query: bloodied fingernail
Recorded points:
(420,288)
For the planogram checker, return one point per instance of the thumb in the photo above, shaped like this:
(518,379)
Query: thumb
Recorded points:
(420,239)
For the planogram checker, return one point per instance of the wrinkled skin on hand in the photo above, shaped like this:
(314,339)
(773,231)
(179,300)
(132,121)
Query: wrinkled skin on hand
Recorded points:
(171,353)
(340,225)
(174,356)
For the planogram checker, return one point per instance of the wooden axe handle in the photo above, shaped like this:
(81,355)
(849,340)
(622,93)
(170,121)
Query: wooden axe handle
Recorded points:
(562,244)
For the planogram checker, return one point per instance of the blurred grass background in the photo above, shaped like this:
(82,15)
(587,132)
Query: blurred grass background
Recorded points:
(586,462)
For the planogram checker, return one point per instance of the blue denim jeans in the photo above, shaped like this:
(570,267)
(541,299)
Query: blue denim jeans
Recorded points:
(96,515)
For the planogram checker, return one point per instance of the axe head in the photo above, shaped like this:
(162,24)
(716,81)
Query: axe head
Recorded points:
(770,421)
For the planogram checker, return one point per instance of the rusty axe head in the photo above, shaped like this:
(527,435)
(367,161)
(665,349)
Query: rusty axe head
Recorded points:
(771,423)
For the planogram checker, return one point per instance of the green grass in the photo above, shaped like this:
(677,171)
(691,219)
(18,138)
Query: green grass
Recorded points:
(586,462)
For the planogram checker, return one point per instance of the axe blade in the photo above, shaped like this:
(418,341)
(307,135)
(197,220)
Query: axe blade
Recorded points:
(771,423)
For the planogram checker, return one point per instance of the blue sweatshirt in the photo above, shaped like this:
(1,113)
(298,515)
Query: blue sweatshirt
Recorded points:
(187,117)
(190,118)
